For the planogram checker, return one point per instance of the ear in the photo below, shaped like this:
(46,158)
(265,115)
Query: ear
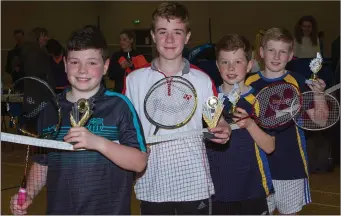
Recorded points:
(65,64)
(106,66)
(249,66)
(216,63)
(291,55)
(188,35)
(261,52)
(153,35)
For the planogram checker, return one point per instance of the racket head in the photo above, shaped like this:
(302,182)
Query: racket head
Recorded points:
(36,96)
(170,103)
(272,105)
(321,119)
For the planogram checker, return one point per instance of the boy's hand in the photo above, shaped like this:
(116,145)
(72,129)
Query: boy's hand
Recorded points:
(17,209)
(222,132)
(317,86)
(83,139)
(240,114)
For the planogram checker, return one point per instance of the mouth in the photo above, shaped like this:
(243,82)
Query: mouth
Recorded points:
(275,63)
(231,76)
(82,79)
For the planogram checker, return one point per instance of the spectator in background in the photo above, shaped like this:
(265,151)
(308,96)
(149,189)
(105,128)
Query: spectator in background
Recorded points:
(34,57)
(56,52)
(306,38)
(125,60)
(257,63)
(13,64)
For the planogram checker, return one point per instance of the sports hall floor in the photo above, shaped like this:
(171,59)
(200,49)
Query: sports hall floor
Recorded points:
(325,187)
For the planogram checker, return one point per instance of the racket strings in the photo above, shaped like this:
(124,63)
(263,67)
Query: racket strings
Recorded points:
(170,103)
(317,112)
(273,104)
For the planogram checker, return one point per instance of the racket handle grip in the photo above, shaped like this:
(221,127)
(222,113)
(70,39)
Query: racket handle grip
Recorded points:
(22,196)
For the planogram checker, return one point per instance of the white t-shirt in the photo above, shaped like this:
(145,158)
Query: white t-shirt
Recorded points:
(306,49)
(177,170)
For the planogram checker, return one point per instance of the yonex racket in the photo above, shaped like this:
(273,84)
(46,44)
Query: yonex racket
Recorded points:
(29,100)
(170,103)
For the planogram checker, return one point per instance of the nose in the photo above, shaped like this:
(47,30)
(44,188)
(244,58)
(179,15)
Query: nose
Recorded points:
(169,38)
(230,66)
(276,55)
(82,69)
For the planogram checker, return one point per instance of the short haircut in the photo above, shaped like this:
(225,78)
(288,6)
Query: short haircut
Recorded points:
(233,42)
(171,10)
(88,37)
(17,31)
(278,34)
(54,47)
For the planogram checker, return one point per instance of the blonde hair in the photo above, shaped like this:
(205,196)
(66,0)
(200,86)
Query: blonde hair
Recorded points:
(256,47)
(278,34)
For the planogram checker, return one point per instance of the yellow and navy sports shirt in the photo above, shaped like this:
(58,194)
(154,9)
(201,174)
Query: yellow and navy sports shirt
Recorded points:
(86,182)
(240,168)
(289,160)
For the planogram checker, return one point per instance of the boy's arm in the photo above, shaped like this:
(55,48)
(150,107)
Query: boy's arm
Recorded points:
(262,139)
(126,157)
(36,179)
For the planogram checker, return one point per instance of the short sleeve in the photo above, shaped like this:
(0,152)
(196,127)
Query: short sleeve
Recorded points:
(131,131)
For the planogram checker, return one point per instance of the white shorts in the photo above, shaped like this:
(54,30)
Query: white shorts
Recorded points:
(290,196)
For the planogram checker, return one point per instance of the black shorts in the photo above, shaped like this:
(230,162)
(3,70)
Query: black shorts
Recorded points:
(258,206)
(200,207)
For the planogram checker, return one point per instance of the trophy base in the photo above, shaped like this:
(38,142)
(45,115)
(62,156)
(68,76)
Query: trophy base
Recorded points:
(209,135)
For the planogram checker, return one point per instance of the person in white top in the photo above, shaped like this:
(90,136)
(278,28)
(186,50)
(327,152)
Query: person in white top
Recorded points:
(306,38)
(177,178)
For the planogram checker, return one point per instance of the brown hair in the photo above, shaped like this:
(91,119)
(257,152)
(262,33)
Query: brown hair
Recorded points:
(233,42)
(278,34)
(171,10)
(299,33)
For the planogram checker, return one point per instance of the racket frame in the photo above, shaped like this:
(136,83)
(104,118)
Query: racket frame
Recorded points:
(157,84)
(324,93)
(13,119)
(255,104)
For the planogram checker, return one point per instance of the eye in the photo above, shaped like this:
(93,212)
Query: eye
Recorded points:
(162,32)
(238,62)
(73,62)
(93,63)
(223,62)
(284,52)
(271,50)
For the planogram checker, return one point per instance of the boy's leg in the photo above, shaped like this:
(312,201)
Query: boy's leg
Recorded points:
(154,208)
(291,195)
(225,208)
(258,206)
(200,207)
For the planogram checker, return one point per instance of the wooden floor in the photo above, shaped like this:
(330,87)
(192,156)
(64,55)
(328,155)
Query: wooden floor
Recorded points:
(325,189)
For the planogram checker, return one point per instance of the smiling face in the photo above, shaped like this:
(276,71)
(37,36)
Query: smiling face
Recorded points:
(233,66)
(85,70)
(276,55)
(170,37)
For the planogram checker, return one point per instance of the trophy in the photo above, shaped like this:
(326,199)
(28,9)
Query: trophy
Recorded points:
(212,110)
(81,112)
(234,97)
(315,66)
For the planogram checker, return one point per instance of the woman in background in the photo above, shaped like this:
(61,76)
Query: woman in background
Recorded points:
(306,38)
(125,61)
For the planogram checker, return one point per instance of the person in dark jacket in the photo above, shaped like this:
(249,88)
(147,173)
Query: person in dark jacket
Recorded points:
(56,52)
(125,61)
(13,64)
